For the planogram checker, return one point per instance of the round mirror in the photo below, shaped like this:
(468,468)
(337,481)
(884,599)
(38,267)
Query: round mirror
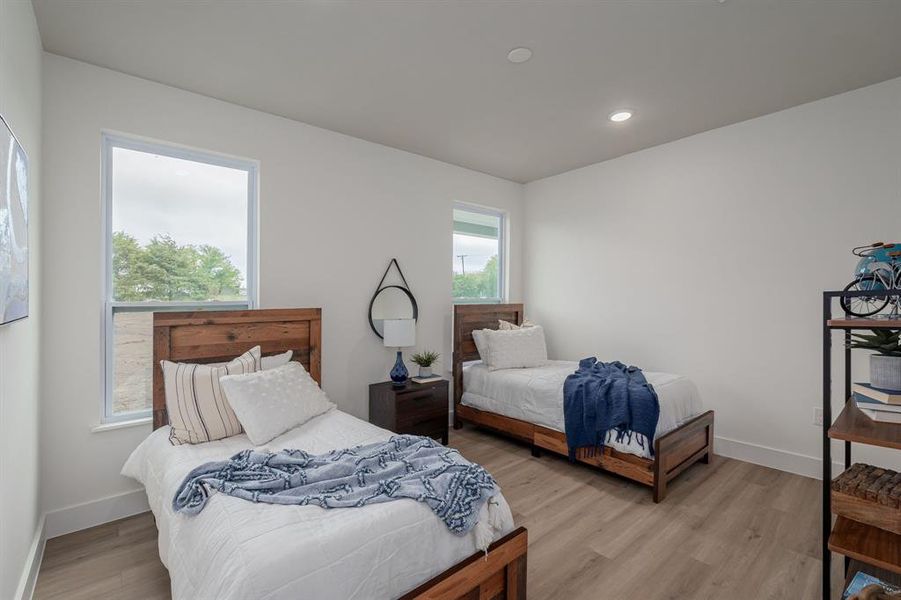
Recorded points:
(391,302)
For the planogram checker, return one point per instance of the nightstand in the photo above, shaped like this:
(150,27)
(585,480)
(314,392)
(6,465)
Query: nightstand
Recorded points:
(416,408)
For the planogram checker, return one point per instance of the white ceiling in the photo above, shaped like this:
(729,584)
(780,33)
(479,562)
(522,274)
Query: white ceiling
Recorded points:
(432,77)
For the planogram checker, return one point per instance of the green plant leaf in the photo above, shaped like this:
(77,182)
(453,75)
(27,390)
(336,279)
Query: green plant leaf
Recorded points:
(883,341)
(425,358)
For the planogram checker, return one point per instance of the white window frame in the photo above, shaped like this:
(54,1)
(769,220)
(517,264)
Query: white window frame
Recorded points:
(501,250)
(110,306)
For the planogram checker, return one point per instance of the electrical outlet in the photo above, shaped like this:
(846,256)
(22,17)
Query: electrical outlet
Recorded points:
(817,416)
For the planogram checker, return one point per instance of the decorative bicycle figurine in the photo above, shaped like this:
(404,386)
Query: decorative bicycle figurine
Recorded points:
(879,268)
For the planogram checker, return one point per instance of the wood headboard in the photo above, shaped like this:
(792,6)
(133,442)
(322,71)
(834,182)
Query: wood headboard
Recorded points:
(476,316)
(219,336)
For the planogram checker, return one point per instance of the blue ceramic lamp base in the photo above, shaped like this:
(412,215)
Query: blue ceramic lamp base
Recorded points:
(399,372)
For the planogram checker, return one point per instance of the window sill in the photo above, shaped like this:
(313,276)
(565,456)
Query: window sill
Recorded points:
(113,425)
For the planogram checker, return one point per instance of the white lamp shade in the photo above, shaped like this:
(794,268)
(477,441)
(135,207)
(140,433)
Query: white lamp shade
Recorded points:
(399,333)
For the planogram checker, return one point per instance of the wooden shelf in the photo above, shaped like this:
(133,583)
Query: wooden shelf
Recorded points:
(874,548)
(856,323)
(854,426)
(867,544)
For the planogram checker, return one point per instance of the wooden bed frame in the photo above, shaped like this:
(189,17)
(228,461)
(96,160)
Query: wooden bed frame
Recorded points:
(673,452)
(219,336)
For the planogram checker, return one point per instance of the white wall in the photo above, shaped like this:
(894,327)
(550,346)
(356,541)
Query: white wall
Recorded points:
(20,105)
(334,210)
(707,256)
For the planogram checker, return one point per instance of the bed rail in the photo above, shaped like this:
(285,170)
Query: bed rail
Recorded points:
(499,575)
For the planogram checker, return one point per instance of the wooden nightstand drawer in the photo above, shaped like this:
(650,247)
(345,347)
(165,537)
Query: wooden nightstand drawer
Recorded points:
(415,409)
(419,406)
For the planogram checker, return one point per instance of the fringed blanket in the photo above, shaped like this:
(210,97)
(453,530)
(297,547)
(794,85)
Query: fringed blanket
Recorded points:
(600,397)
(406,466)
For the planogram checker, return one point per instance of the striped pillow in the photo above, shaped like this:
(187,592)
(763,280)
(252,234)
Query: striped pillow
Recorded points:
(197,407)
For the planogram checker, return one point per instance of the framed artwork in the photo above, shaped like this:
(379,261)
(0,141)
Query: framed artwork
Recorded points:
(13,227)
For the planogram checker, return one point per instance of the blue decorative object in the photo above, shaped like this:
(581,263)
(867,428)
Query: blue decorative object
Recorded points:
(879,268)
(399,333)
(399,373)
(870,255)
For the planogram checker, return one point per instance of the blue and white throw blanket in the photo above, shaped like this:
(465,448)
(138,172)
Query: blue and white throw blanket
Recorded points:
(600,397)
(406,466)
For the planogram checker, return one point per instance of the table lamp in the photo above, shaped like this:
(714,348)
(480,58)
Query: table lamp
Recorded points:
(399,333)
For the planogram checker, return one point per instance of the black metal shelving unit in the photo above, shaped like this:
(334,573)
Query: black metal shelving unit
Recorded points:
(863,544)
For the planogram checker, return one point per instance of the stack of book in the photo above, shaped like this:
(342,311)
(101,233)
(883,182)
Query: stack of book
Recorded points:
(879,405)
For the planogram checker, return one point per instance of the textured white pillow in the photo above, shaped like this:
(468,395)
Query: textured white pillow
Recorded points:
(269,403)
(481,341)
(516,348)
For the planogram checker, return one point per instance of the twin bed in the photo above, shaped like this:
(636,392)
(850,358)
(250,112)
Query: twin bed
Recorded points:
(236,549)
(527,404)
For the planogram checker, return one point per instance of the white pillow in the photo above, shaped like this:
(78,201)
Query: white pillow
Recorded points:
(274,362)
(197,407)
(516,348)
(269,403)
(268,362)
(507,325)
(481,341)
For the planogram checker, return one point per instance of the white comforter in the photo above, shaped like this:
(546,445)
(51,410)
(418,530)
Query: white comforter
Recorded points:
(535,395)
(235,549)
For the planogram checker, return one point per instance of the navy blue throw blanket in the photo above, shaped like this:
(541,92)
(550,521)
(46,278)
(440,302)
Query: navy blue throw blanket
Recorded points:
(603,396)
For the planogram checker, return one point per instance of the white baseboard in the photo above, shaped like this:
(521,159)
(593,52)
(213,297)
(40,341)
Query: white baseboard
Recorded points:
(25,589)
(800,464)
(97,512)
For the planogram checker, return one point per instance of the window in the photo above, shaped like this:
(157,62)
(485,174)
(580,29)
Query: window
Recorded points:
(478,259)
(180,235)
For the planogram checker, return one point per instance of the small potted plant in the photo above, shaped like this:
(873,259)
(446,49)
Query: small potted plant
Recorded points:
(885,365)
(425,360)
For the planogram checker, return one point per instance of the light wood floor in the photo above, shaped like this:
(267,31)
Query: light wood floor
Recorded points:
(729,530)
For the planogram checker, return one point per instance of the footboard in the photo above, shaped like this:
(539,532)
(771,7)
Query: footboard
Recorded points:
(501,575)
(680,448)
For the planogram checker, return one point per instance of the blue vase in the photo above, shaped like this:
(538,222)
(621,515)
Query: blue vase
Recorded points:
(399,373)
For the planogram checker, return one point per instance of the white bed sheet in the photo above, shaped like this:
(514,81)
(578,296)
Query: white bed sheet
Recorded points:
(235,549)
(535,395)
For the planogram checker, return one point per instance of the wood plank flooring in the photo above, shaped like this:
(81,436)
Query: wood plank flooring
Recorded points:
(729,530)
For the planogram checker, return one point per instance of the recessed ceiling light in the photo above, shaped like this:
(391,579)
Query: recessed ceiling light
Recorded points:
(618,116)
(519,55)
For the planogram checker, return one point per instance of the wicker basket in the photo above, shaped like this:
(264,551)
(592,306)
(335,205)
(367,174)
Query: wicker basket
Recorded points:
(870,495)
